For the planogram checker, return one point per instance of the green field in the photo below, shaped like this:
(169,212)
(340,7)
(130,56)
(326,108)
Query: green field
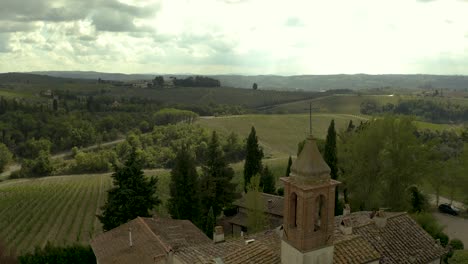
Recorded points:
(345,104)
(279,134)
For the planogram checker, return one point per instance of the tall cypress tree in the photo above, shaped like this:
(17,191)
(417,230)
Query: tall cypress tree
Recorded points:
(331,159)
(184,202)
(133,195)
(218,190)
(267,181)
(288,169)
(253,158)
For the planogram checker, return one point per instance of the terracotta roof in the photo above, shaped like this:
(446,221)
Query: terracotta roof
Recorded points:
(310,164)
(266,245)
(354,250)
(273,204)
(255,252)
(401,240)
(114,246)
(152,239)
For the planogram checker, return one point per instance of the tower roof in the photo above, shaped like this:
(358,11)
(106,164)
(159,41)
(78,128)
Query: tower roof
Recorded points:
(310,165)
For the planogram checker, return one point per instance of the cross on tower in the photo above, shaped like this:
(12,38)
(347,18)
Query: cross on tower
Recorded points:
(310,116)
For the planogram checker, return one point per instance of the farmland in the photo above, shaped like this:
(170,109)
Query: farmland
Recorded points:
(57,209)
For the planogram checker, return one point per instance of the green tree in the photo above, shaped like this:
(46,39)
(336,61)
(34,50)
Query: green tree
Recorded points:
(58,255)
(132,195)
(255,86)
(210,223)
(216,181)
(5,157)
(419,202)
(184,201)
(256,218)
(267,181)
(381,161)
(330,157)
(288,168)
(253,158)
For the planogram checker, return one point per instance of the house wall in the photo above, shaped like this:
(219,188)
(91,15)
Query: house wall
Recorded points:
(290,255)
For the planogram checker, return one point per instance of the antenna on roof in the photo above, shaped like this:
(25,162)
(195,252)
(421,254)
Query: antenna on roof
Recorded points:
(130,236)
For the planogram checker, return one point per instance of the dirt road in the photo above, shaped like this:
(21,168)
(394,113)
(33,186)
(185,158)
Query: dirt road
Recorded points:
(454,226)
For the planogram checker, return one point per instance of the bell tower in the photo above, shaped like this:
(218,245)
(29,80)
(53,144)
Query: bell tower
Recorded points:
(309,220)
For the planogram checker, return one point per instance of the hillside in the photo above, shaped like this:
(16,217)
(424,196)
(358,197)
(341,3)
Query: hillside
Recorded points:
(302,82)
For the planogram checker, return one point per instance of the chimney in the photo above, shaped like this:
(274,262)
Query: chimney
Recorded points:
(345,226)
(130,237)
(380,219)
(218,234)
(346,209)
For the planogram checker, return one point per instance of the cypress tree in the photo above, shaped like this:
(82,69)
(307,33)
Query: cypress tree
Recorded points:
(218,190)
(210,223)
(133,195)
(267,181)
(288,169)
(331,159)
(184,202)
(253,158)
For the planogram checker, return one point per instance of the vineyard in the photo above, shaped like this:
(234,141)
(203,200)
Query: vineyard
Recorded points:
(57,209)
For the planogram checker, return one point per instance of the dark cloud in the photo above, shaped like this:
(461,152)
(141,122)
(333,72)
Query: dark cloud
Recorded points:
(293,22)
(107,15)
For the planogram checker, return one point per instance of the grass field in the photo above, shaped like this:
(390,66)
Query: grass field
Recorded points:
(345,104)
(279,134)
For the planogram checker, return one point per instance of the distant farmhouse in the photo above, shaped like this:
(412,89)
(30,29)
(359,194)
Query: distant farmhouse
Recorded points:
(309,234)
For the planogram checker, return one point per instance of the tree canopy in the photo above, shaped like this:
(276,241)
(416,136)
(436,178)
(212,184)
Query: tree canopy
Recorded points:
(253,157)
(132,195)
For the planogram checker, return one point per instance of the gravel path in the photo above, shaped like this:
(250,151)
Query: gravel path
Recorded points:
(455,226)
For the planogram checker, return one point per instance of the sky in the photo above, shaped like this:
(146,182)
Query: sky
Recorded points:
(251,37)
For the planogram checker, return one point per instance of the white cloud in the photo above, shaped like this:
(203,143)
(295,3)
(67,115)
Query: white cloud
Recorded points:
(236,36)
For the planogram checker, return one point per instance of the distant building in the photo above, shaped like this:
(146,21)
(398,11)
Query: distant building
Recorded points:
(310,233)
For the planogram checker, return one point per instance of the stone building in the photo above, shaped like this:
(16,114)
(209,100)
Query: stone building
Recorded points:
(310,232)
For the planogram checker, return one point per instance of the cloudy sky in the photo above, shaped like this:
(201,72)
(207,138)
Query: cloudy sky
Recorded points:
(286,37)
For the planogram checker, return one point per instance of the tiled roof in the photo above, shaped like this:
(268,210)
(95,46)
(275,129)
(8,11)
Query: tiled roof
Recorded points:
(152,239)
(265,245)
(273,204)
(253,253)
(177,233)
(354,250)
(401,240)
(114,246)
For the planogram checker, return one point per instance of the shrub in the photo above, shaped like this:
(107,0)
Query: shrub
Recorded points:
(456,244)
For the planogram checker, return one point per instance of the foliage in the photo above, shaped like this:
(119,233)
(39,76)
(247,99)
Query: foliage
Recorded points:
(456,244)
(38,167)
(255,86)
(5,157)
(253,158)
(430,224)
(184,201)
(172,116)
(380,162)
(267,181)
(94,161)
(210,222)
(330,157)
(256,219)
(132,195)
(216,180)
(419,202)
(233,149)
(288,168)
(58,255)
(197,81)
(459,257)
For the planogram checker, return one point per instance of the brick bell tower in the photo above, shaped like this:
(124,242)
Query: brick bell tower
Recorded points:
(309,197)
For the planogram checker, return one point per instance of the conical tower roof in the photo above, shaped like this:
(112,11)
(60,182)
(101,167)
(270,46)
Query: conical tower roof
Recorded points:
(309,165)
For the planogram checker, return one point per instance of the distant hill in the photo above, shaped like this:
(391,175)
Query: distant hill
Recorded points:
(301,82)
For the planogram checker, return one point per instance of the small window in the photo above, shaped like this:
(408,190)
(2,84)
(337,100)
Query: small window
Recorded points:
(293,210)
(319,212)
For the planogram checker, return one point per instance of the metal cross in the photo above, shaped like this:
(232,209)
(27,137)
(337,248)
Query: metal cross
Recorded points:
(310,116)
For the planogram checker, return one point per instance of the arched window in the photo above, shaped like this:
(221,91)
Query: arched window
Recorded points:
(293,210)
(319,212)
